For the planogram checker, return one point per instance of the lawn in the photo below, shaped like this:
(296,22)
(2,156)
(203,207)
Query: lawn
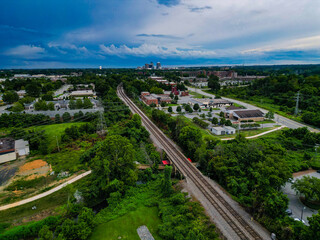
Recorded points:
(266,121)
(54,131)
(198,95)
(172,105)
(126,226)
(248,133)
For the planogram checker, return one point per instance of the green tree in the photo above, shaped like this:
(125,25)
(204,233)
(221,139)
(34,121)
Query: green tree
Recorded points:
(10,97)
(179,109)
(228,123)
(51,106)
(314,226)
(221,114)
(214,120)
(270,115)
(114,160)
(156,90)
(79,104)
(17,107)
(72,104)
(66,117)
(163,104)
(213,83)
(45,233)
(166,181)
(190,139)
(170,109)
(196,107)
(176,98)
(171,95)
(41,106)
(309,187)
(223,121)
(57,118)
(87,104)
(33,89)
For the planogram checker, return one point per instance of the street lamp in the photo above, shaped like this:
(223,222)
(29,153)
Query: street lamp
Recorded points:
(302,213)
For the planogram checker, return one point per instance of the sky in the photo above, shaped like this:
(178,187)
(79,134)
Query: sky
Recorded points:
(130,33)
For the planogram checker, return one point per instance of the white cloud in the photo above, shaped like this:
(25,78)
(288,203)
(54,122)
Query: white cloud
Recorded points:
(156,50)
(64,48)
(26,51)
(308,43)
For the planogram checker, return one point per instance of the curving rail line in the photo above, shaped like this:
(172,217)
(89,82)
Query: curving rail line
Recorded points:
(241,228)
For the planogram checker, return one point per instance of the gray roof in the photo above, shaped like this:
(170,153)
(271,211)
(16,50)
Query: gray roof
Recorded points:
(249,113)
(21,144)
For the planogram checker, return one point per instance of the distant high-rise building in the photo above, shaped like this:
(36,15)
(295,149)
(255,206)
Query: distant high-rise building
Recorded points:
(151,65)
(158,65)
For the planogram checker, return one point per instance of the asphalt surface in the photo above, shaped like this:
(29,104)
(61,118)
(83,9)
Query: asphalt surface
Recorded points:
(280,119)
(295,204)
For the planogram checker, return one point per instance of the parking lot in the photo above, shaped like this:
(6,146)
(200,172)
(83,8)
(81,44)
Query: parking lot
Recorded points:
(294,202)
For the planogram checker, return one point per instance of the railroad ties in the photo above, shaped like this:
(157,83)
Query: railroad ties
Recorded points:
(240,227)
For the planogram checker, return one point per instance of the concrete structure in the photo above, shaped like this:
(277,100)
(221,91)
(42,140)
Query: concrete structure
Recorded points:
(218,130)
(82,93)
(10,149)
(229,130)
(223,130)
(207,102)
(22,147)
(158,65)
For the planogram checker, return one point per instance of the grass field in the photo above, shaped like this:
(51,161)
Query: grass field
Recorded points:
(126,226)
(55,130)
(248,133)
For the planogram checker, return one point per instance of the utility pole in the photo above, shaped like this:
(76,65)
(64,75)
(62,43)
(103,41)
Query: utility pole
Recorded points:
(57,143)
(296,111)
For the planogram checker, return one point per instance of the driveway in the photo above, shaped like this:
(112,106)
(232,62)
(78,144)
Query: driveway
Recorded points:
(294,202)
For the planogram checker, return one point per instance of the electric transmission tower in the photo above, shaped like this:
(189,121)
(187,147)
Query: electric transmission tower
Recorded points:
(101,125)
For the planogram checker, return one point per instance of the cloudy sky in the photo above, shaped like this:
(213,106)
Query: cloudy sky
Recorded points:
(128,33)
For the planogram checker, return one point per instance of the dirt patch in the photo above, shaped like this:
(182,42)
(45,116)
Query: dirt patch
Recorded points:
(36,217)
(34,169)
(301,173)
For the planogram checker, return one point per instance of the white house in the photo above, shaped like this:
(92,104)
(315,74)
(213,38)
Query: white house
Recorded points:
(223,130)
(229,130)
(218,130)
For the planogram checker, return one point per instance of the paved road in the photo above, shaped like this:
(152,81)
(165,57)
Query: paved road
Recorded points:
(280,119)
(5,207)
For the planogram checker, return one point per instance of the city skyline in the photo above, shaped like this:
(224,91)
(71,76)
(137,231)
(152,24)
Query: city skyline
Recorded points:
(128,33)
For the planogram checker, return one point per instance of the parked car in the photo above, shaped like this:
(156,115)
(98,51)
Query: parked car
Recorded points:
(289,211)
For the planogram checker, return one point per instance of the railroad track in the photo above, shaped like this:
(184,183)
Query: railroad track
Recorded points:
(240,227)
